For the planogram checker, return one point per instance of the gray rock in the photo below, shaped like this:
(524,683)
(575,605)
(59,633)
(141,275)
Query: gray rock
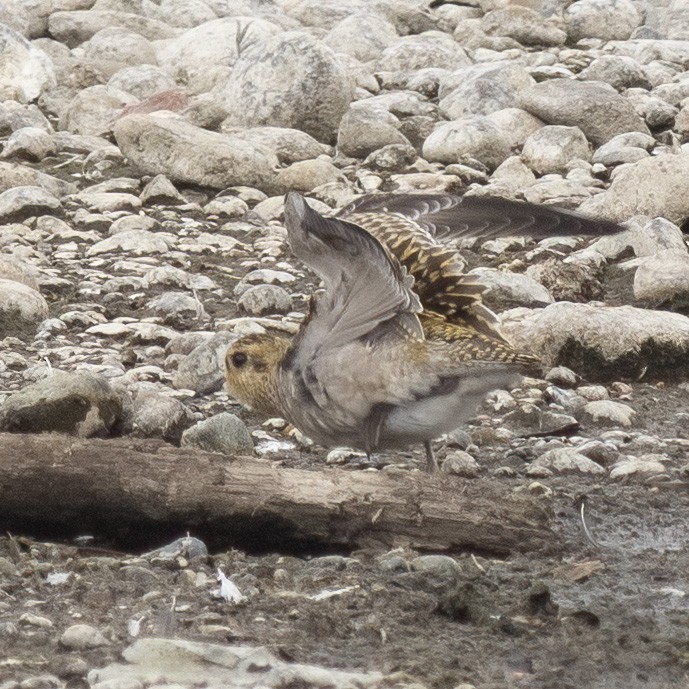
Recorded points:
(603,341)
(14,175)
(506,290)
(232,666)
(482,89)
(79,403)
(141,81)
(108,202)
(364,129)
(265,299)
(26,70)
(22,202)
(610,20)
(516,124)
(306,175)
(391,158)
(644,238)
(161,190)
(513,174)
(226,207)
(553,148)
(663,278)
(531,421)
(188,547)
(12,268)
(289,145)
(93,110)
(204,369)
(565,460)
(22,308)
(595,107)
(429,49)
(468,137)
(624,148)
(364,36)
(646,465)
(115,47)
(562,376)
(524,25)
(263,276)
(30,143)
(179,309)
(609,413)
(199,54)
(80,637)
(653,186)
(289,80)
(442,566)
(154,415)
(136,242)
(620,71)
(655,111)
(75,27)
(461,463)
(14,115)
(185,153)
(223,432)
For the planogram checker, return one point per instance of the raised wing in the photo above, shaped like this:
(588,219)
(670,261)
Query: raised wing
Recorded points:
(365,288)
(447,216)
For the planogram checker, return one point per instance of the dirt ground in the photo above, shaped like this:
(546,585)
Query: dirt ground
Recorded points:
(615,615)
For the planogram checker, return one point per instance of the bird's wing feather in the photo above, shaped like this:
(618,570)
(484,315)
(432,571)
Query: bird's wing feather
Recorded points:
(448,216)
(364,286)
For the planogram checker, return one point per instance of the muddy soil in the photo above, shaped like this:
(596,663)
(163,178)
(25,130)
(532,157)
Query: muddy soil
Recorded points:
(610,615)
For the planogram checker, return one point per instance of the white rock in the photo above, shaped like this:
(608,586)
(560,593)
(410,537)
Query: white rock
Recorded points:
(482,89)
(516,124)
(363,35)
(289,145)
(663,278)
(429,49)
(567,459)
(554,147)
(611,20)
(212,44)
(21,202)
(475,137)
(595,107)
(32,143)
(653,186)
(21,308)
(26,70)
(646,464)
(137,242)
(80,637)
(602,340)
(289,80)
(524,25)
(507,290)
(94,110)
(184,153)
(609,413)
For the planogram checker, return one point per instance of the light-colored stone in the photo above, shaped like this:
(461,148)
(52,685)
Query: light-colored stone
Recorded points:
(595,107)
(79,403)
(602,341)
(80,637)
(468,137)
(223,432)
(506,290)
(663,278)
(26,70)
(524,25)
(553,148)
(289,80)
(564,460)
(609,413)
(653,186)
(185,153)
(21,202)
(610,20)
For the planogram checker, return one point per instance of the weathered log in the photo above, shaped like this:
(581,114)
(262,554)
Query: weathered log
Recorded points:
(138,492)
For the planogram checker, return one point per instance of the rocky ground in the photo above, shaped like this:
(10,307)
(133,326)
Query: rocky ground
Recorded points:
(146,148)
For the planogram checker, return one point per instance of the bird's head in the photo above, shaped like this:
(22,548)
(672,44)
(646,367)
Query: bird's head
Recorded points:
(251,369)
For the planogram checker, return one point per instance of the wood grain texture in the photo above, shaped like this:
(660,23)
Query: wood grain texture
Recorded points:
(141,491)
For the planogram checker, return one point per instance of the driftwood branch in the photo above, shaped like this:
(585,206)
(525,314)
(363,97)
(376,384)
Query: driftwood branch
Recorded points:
(138,492)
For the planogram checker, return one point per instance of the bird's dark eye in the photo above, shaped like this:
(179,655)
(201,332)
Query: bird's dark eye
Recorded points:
(238,359)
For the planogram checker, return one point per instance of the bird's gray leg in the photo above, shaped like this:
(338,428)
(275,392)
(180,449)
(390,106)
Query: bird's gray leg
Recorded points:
(431,462)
